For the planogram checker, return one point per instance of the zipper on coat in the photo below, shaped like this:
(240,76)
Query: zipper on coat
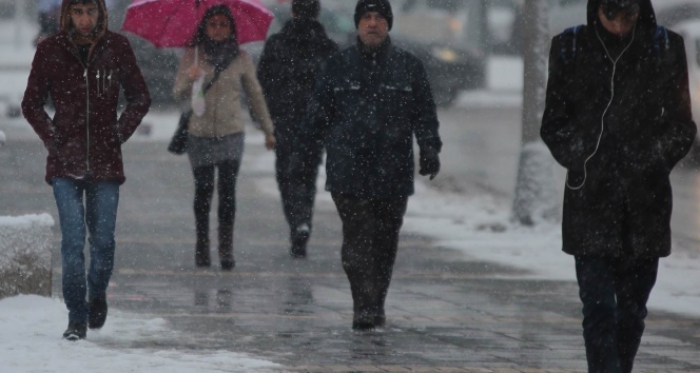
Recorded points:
(86,68)
(87,118)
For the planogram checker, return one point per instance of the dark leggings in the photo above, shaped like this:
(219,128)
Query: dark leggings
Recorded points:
(204,191)
(370,242)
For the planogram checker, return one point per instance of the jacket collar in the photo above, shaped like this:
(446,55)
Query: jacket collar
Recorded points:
(377,54)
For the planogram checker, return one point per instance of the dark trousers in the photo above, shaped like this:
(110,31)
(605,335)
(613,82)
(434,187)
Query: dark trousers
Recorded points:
(297,187)
(204,191)
(370,242)
(614,293)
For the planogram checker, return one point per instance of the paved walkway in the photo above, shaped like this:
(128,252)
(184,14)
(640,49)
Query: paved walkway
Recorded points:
(445,314)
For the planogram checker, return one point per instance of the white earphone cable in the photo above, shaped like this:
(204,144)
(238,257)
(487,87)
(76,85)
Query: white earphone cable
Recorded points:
(607,108)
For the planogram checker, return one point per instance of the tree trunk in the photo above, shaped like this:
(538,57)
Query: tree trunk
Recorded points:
(535,193)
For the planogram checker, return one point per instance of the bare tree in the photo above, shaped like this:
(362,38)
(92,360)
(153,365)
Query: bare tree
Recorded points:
(535,194)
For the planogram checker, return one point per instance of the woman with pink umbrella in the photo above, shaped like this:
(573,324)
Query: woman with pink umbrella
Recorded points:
(220,73)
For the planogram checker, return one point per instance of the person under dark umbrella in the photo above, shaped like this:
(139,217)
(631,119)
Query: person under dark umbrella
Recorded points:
(618,118)
(287,72)
(369,103)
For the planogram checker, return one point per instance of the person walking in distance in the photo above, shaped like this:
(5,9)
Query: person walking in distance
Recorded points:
(82,69)
(618,118)
(369,103)
(287,72)
(216,134)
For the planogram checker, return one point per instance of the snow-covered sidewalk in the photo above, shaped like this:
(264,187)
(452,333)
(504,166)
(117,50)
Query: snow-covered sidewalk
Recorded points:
(480,228)
(32,343)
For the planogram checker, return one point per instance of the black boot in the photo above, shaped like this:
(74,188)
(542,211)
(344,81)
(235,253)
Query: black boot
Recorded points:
(226,247)
(75,331)
(364,309)
(202,256)
(98,312)
(299,237)
(364,319)
(201,253)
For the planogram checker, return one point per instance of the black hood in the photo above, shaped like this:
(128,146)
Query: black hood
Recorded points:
(647,18)
(302,31)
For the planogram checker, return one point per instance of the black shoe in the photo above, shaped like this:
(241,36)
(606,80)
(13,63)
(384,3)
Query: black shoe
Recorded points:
(228,264)
(98,312)
(202,256)
(202,260)
(363,321)
(297,251)
(299,239)
(75,331)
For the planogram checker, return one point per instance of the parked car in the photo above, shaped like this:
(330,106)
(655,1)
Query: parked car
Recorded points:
(451,66)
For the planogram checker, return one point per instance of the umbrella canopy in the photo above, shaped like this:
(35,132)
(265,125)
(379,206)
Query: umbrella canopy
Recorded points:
(172,23)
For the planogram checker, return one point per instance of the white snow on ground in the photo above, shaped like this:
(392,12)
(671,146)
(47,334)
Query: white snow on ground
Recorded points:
(462,223)
(32,343)
(26,221)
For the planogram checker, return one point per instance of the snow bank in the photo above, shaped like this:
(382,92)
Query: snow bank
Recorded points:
(25,255)
(32,326)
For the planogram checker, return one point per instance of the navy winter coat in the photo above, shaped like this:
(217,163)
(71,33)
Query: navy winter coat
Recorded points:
(366,110)
(633,124)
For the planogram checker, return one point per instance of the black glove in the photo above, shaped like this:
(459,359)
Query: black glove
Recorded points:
(429,162)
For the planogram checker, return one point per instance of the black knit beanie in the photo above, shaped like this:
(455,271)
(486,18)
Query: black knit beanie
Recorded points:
(382,7)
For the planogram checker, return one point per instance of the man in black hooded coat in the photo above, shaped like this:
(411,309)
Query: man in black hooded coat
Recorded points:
(287,73)
(618,118)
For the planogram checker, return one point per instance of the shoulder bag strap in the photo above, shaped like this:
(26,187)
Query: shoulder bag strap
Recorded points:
(211,82)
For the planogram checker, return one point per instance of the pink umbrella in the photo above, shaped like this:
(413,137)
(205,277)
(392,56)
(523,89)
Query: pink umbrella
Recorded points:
(172,23)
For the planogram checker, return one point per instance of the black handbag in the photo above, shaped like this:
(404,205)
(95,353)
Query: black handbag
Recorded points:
(178,144)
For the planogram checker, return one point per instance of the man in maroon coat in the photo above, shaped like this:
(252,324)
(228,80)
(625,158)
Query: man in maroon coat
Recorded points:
(82,69)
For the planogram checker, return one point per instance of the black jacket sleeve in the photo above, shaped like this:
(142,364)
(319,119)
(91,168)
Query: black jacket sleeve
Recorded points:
(425,120)
(560,129)
(265,74)
(677,129)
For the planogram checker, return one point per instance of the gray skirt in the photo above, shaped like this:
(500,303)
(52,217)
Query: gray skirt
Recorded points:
(207,151)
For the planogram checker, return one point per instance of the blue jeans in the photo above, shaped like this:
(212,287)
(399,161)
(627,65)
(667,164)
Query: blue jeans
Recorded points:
(614,293)
(93,205)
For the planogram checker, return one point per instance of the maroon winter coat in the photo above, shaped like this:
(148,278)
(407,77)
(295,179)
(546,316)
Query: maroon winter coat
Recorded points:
(85,135)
